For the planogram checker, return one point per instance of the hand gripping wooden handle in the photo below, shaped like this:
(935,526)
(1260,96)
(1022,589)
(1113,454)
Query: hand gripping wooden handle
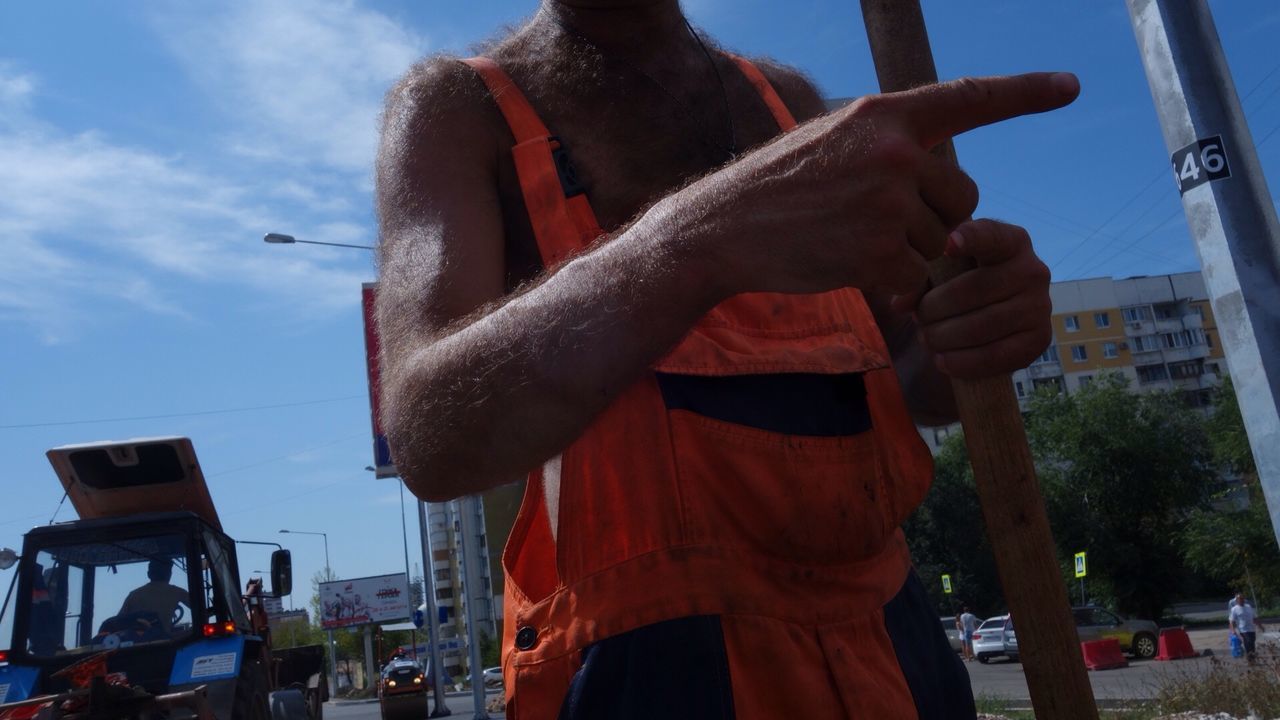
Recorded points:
(1002,465)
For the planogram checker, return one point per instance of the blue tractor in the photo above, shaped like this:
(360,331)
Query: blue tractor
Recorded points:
(137,610)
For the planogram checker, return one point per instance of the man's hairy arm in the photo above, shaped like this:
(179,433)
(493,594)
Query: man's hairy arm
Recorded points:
(478,389)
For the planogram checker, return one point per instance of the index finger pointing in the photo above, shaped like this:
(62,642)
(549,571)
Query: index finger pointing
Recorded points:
(941,111)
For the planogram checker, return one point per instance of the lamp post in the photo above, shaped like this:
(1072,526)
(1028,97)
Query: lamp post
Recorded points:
(283,239)
(328,575)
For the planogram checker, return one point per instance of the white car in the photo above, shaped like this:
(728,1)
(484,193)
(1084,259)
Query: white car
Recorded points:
(988,639)
(493,677)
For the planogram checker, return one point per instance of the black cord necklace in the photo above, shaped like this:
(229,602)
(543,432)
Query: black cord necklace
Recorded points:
(705,136)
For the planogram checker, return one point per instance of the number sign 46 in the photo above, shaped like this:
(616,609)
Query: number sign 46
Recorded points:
(1200,162)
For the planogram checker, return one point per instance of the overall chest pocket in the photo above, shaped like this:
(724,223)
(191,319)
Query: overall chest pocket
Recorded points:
(797,480)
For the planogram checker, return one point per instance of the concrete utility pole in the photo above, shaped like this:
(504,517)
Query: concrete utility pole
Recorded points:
(1228,207)
(471,516)
(439,708)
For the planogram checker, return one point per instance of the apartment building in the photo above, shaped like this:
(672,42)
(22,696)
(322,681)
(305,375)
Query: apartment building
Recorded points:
(1156,330)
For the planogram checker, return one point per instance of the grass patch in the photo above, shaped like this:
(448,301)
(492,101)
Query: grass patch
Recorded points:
(1229,686)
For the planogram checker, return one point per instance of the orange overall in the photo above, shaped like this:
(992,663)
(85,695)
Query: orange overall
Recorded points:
(788,542)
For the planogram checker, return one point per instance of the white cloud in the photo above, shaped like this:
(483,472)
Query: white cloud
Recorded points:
(303,81)
(86,218)
(15,88)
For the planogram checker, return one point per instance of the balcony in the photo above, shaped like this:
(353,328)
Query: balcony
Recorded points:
(1192,352)
(1135,328)
(1045,370)
(1178,323)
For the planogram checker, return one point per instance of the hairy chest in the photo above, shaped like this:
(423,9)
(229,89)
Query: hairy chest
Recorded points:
(631,143)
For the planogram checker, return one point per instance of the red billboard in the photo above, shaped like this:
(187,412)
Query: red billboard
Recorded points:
(381,450)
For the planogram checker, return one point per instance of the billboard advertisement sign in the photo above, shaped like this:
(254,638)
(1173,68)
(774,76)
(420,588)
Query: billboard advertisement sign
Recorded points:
(381,450)
(382,598)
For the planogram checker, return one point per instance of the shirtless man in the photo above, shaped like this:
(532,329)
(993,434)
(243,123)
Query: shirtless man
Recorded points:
(678,322)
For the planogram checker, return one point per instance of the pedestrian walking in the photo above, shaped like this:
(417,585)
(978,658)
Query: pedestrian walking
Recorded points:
(1244,625)
(967,624)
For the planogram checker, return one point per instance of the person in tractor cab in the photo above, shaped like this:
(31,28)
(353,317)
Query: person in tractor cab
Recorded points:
(158,597)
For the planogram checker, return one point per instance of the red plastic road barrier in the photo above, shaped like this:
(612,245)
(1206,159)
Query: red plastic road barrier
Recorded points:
(1103,654)
(1175,645)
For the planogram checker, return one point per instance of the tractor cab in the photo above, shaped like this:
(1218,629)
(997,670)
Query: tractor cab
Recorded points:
(142,596)
(140,586)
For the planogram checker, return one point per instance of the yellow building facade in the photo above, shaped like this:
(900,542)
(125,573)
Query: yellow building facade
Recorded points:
(1156,330)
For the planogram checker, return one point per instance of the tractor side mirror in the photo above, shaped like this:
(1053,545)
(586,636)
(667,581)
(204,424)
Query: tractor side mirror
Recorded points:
(8,558)
(281,573)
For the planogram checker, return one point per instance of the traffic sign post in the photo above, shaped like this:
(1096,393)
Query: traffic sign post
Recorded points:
(1082,569)
(946,584)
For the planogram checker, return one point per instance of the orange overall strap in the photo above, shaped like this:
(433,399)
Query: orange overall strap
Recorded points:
(562,218)
(757,79)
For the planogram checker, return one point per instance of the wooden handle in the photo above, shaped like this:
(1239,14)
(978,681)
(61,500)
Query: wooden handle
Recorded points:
(1003,468)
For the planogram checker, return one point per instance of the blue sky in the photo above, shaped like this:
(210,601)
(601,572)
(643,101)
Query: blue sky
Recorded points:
(146,147)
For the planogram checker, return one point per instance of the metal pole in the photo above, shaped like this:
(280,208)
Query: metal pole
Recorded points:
(474,593)
(1228,208)
(333,646)
(370,671)
(439,709)
(408,577)
(404,533)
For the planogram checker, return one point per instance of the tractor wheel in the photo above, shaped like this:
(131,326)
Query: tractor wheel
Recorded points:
(315,706)
(251,694)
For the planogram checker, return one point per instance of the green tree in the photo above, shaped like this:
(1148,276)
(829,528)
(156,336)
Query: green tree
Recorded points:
(1121,473)
(947,535)
(1234,545)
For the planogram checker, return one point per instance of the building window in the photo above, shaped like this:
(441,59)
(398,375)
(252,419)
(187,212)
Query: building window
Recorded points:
(1185,370)
(1085,380)
(1208,340)
(1020,389)
(1145,343)
(1167,311)
(1078,353)
(1050,355)
(1072,322)
(1102,320)
(1109,350)
(1183,338)
(1215,368)
(1152,373)
(1053,382)
(1199,310)
(1197,398)
(1136,314)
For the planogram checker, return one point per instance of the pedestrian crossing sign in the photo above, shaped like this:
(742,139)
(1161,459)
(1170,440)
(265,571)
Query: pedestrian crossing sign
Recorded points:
(946,584)
(1080,565)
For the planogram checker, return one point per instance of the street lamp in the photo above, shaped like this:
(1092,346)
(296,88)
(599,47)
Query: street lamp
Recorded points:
(283,239)
(328,575)
(327,571)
